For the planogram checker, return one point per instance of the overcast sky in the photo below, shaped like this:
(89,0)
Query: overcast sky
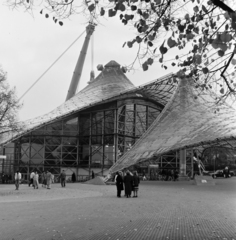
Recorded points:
(30,44)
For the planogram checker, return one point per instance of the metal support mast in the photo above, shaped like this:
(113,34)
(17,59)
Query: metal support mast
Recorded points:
(80,63)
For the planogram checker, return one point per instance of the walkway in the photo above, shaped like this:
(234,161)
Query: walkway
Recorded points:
(163,210)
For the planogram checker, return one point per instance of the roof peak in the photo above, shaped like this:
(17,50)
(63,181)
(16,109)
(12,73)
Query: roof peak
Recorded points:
(112,64)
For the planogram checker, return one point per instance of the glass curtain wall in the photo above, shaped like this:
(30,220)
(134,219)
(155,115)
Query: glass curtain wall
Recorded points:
(94,138)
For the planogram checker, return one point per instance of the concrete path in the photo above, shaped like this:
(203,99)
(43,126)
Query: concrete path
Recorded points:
(163,210)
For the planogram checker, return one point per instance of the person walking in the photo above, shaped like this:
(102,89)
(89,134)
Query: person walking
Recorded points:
(36,180)
(49,179)
(44,179)
(128,181)
(73,178)
(63,178)
(17,179)
(136,182)
(93,175)
(119,183)
(31,180)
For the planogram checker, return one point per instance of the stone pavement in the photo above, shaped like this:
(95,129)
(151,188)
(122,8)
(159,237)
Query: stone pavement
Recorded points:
(163,210)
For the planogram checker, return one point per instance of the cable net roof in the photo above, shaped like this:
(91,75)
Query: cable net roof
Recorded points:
(190,118)
(111,84)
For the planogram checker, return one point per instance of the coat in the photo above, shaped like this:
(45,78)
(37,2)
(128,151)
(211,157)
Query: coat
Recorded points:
(128,181)
(119,183)
(49,178)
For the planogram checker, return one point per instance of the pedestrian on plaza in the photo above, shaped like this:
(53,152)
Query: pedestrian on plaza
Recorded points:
(49,179)
(226,172)
(7,178)
(52,177)
(136,182)
(93,175)
(119,183)
(17,179)
(73,178)
(176,175)
(3,178)
(62,177)
(31,180)
(44,179)
(36,180)
(128,181)
(144,176)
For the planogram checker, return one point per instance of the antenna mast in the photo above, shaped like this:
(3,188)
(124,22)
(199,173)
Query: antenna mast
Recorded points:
(80,63)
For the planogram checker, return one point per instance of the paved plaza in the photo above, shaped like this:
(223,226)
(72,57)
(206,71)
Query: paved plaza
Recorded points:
(163,210)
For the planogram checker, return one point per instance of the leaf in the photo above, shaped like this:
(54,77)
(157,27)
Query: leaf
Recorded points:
(221,53)
(226,15)
(145,66)
(46,15)
(204,9)
(222,46)
(41,12)
(121,7)
(233,61)
(171,43)
(151,37)
(61,23)
(124,44)
(157,2)
(138,39)
(150,44)
(197,59)
(150,61)
(163,49)
(130,44)
(190,36)
(225,37)
(145,15)
(205,70)
(222,90)
(91,7)
(111,13)
(102,12)
(187,17)
(196,9)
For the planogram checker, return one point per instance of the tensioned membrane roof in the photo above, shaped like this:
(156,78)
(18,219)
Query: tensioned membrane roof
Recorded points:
(191,118)
(111,84)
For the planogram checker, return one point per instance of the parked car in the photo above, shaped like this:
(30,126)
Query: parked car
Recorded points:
(220,173)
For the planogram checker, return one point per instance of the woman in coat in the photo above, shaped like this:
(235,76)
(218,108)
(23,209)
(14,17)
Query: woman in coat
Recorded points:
(119,183)
(128,181)
(49,179)
(136,182)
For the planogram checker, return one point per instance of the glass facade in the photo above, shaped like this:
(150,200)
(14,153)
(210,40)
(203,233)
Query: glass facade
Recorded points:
(91,139)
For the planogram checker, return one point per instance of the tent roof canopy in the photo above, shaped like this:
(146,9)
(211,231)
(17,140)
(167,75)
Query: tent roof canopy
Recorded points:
(191,118)
(111,84)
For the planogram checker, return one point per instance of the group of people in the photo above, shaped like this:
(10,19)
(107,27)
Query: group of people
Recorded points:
(129,182)
(6,178)
(47,179)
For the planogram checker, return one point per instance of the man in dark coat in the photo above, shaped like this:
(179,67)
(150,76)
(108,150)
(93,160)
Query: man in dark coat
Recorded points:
(128,181)
(119,183)
(73,178)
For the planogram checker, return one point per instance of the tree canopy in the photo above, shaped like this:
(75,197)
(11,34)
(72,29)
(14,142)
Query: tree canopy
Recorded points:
(197,36)
(8,106)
